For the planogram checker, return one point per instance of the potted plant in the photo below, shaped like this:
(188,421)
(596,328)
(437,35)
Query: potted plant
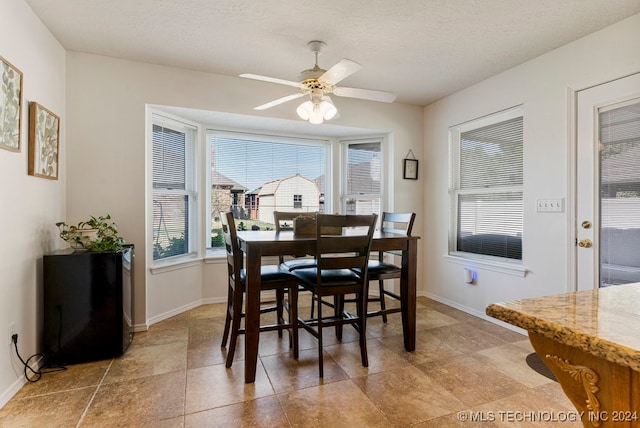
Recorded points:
(97,234)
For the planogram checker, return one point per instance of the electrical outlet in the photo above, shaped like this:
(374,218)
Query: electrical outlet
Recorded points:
(12,331)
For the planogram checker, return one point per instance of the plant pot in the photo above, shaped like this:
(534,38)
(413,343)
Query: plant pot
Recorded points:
(81,239)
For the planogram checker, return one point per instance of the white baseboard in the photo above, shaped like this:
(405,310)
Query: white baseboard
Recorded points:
(474,312)
(178,311)
(11,391)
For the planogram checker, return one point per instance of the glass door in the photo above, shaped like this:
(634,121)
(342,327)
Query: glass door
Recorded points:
(608,184)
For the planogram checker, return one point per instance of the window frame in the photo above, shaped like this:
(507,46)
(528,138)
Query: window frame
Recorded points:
(384,195)
(502,264)
(329,144)
(192,132)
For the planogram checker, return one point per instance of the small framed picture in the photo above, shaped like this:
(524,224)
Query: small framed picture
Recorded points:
(44,136)
(410,169)
(10,106)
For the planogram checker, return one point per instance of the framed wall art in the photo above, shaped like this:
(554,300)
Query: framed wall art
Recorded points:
(44,136)
(10,105)
(410,167)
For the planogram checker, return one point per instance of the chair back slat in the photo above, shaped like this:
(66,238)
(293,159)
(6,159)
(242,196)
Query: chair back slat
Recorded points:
(234,256)
(398,223)
(283,220)
(349,250)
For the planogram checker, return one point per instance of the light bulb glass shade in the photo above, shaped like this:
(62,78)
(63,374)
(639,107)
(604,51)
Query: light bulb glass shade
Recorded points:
(304,110)
(328,110)
(317,111)
(316,116)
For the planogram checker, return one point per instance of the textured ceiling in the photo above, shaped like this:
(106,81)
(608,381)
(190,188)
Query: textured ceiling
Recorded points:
(422,50)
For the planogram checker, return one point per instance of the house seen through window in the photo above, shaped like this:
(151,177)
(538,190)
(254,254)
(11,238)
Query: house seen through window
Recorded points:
(254,175)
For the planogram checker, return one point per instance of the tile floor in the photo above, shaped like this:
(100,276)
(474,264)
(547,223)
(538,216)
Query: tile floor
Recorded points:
(174,376)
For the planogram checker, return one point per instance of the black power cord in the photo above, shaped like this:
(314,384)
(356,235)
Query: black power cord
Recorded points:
(37,374)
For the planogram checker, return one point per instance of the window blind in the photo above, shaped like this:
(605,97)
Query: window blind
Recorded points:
(363,178)
(254,175)
(488,189)
(619,132)
(172,191)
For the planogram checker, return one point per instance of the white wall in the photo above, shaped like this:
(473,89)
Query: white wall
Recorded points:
(106,100)
(542,87)
(30,206)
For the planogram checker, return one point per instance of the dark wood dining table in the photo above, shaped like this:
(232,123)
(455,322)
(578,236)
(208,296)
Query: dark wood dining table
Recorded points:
(257,244)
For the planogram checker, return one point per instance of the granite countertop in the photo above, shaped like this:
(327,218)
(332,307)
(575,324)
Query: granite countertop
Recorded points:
(604,322)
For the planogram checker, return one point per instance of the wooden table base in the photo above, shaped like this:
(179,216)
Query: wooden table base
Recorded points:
(605,394)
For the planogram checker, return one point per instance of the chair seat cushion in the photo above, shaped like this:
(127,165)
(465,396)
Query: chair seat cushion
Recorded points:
(376,267)
(291,265)
(269,273)
(330,277)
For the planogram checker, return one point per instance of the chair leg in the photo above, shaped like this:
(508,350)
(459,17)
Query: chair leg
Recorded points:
(280,309)
(383,306)
(338,304)
(362,324)
(320,360)
(235,328)
(293,319)
(227,321)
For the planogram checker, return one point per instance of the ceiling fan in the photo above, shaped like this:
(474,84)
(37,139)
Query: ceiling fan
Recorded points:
(316,83)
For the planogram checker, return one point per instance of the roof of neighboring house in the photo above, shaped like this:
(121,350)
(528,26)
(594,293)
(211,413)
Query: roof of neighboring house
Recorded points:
(271,187)
(222,181)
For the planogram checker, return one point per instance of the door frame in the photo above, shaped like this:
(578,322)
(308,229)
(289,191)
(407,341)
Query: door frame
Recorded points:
(572,179)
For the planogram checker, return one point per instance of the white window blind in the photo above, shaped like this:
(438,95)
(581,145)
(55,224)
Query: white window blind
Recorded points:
(173,188)
(619,192)
(363,192)
(254,175)
(487,165)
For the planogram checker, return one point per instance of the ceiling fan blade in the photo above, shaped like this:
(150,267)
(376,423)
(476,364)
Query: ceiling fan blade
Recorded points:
(365,94)
(343,68)
(278,101)
(271,79)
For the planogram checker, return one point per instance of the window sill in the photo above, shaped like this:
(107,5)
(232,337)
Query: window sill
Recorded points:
(181,263)
(506,267)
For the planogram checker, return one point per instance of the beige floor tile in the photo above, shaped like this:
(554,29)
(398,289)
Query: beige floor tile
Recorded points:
(510,360)
(380,357)
(466,337)
(216,386)
(63,409)
(425,319)
(142,361)
(430,347)
(215,310)
(74,377)
(138,401)
(407,396)
(466,377)
(287,374)
(338,404)
(263,412)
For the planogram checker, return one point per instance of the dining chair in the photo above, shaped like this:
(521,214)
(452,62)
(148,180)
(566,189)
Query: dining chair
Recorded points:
(379,270)
(284,221)
(272,278)
(337,258)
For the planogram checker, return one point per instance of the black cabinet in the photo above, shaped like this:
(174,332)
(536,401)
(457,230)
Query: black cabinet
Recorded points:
(87,305)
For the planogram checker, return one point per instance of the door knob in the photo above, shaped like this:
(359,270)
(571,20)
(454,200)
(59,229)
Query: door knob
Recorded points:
(585,243)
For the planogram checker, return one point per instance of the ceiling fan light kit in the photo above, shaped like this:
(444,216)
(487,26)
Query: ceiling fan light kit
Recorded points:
(316,83)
